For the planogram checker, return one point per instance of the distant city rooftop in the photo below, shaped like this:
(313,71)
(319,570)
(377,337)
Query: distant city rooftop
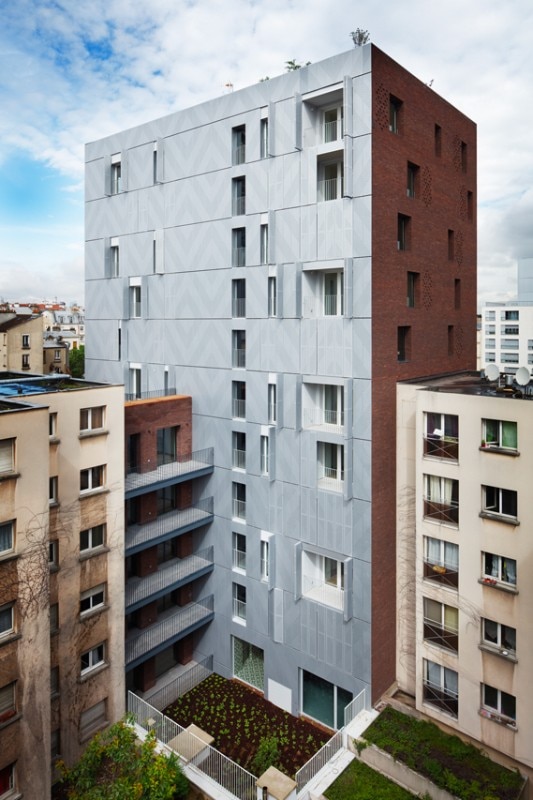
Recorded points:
(479,383)
(14,384)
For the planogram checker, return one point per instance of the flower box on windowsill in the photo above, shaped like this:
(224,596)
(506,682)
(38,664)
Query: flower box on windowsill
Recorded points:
(501,719)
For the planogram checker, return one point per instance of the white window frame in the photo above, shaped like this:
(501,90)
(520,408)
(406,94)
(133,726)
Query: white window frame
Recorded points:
(263,133)
(53,490)
(441,624)
(135,380)
(238,595)
(52,425)
(441,561)
(95,532)
(92,418)
(53,554)
(238,452)
(272,403)
(239,552)
(500,495)
(93,659)
(498,641)
(272,296)
(238,341)
(12,780)
(333,293)
(265,559)
(92,599)
(263,244)
(9,611)
(333,127)
(116,176)
(8,701)
(135,302)
(114,260)
(7,537)
(333,405)
(495,711)
(445,675)
(94,478)
(238,504)
(501,565)
(330,461)
(330,180)
(323,579)
(264,455)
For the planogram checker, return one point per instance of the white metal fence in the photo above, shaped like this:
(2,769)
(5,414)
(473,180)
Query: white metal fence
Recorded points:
(182,684)
(319,760)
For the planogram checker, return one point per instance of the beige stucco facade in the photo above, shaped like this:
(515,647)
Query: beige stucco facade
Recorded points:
(64,573)
(465,558)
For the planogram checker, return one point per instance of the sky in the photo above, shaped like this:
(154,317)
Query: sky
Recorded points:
(73,71)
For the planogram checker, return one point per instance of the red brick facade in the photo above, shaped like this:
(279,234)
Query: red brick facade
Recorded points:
(440,249)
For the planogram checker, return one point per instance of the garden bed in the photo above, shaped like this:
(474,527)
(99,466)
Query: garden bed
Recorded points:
(360,782)
(451,764)
(239,719)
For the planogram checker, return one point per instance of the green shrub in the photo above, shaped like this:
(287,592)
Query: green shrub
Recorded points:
(267,755)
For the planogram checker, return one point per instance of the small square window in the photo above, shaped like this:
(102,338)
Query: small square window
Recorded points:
(7,537)
(53,554)
(92,538)
(7,455)
(92,478)
(53,496)
(7,780)
(92,659)
(92,599)
(7,620)
(8,702)
(92,418)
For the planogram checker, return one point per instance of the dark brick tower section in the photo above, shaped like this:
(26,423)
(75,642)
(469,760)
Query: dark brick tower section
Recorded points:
(423,289)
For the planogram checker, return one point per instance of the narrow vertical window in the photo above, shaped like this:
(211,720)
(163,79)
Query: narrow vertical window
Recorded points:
(238,145)
(238,207)
(272,302)
(457,293)
(116,176)
(403,232)
(263,231)
(451,340)
(238,247)
(470,205)
(238,298)
(404,342)
(412,179)
(438,140)
(265,466)
(412,289)
(464,156)
(394,114)
(451,245)
(264,138)
(272,404)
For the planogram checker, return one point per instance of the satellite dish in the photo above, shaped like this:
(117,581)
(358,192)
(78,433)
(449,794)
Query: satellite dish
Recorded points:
(492,371)
(522,376)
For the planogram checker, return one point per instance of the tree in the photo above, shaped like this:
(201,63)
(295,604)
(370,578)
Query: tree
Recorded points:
(77,362)
(360,37)
(292,65)
(115,766)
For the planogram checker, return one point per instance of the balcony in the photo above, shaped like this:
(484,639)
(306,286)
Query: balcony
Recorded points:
(441,636)
(239,257)
(442,512)
(330,189)
(443,699)
(238,206)
(140,479)
(321,592)
(239,509)
(238,307)
(325,418)
(441,573)
(169,576)
(239,459)
(172,626)
(239,358)
(167,526)
(239,609)
(447,447)
(239,408)
(333,130)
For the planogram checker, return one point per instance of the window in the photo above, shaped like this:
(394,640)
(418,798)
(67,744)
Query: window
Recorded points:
(25,361)
(92,719)
(7,455)
(330,465)
(333,294)
(92,418)
(264,138)
(404,342)
(166,445)
(457,293)
(451,245)
(8,704)
(238,196)
(54,681)
(330,181)
(412,289)
(25,340)
(464,156)
(114,261)
(333,124)
(7,780)
(441,624)
(264,446)
(239,551)
(92,599)
(498,570)
(272,404)
(501,434)
(498,636)
(265,559)
(239,349)
(238,298)
(239,450)
(442,435)
(441,561)
(248,663)
(54,618)
(412,179)
(7,620)
(451,340)
(239,602)
(57,355)
(238,392)
(92,659)
(438,140)
(323,579)
(238,236)
(272,298)
(502,502)
(470,205)
(238,145)
(323,701)
(510,315)
(135,302)
(55,749)
(92,478)
(7,537)
(53,554)
(441,501)
(263,234)
(498,705)
(441,687)
(239,500)
(395,106)
(135,382)
(404,230)
(53,496)
(52,425)
(116,177)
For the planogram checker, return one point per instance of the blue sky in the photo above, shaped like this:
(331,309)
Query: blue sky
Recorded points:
(72,72)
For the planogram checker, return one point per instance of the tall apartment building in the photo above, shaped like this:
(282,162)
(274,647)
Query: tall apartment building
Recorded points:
(21,342)
(464,558)
(284,255)
(61,573)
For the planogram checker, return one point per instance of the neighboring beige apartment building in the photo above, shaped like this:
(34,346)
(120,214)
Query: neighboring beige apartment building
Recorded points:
(465,556)
(21,342)
(61,573)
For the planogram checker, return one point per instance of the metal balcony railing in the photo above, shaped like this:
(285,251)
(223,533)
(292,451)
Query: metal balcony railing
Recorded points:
(168,575)
(239,408)
(333,305)
(239,257)
(169,629)
(239,358)
(239,459)
(442,511)
(446,447)
(443,573)
(441,636)
(239,559)
(141,475)
(444,699)
(318,417)
(238,206)
(239,154)
(138,537)
(330,189)
(238,307)
(239,608)
(239,509)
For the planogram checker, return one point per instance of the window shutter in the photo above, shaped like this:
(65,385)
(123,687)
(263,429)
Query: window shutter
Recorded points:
(6,455)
